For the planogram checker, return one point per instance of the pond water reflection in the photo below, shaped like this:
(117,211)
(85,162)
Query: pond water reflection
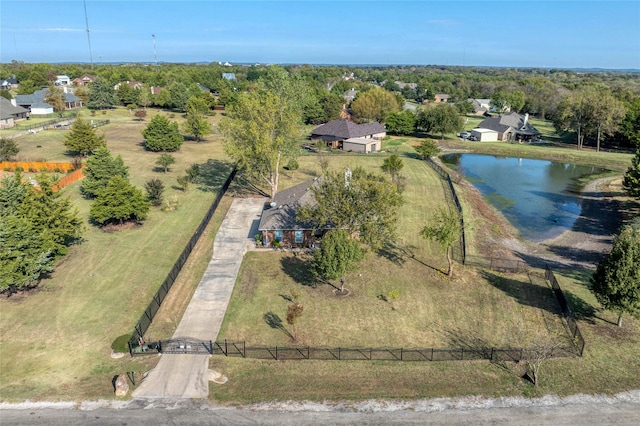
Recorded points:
(538,197)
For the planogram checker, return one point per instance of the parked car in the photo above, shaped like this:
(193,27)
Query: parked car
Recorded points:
(472,138)
(465,135)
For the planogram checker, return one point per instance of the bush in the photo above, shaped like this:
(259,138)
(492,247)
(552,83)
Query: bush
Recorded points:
(121,344)
(18,169)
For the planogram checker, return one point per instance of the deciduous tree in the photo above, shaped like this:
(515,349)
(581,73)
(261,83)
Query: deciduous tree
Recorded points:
(393,165)
(83,138)
(440,118)
(162,135)
(338,255)
(54,96)
(446,231)
(260,132)
(427,148)
(196,122)
(358,202)
(401,123)
(375,105)
(294,312)
(165,160)
(616,281)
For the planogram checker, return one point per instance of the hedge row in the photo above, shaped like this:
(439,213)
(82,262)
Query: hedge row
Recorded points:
(36,166)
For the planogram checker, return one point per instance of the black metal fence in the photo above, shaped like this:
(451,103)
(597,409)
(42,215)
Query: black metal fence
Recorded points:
(293,353)
(497,264)
(460,252)
(45,124)
(147,317)
(570,321)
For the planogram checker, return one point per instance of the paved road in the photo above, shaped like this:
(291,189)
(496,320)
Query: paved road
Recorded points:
(185,376)
(432,412)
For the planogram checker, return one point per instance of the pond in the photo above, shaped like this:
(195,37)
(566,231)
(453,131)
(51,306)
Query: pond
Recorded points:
(539,197)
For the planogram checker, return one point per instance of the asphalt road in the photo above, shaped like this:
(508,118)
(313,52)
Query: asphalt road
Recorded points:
(584,411)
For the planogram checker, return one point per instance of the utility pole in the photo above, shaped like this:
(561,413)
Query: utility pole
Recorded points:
(86,20)
(155,55)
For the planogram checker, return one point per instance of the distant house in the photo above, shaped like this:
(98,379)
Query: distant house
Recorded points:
(9,83)
(228,76)
(37,106)
(62,80)
(510,127)
(84,80)
(349,95)
(279,223)
(336,132)
(402,85)
(132,84)
(441,97)
(155,90)
(480,106)
(10,113)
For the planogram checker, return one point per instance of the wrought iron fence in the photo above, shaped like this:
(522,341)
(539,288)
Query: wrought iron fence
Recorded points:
(147,317)
(497,264)
(570,321)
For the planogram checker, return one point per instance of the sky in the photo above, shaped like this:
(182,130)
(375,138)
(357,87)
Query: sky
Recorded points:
(515,33)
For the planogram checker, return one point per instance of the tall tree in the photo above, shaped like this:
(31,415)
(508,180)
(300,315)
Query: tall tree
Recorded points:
(119,202)
(616,281)
(401,123)
(260,132)
(177,96)
(196,122)
(358,202)
(440,118)
(102,95)
(54,96)
(605,115)
(162,135)
(338,255)
(375,105)
(631,181)
(100,168)
(446,231)
(83,138)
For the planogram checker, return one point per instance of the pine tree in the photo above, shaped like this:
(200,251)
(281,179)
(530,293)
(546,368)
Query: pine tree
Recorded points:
(162,135)
(119,202)
(631,182)
(83,138)
(155,190)
(102,95)
(100,168)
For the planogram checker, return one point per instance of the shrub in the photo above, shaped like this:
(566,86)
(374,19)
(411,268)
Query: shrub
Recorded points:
(18,169)
(121,344)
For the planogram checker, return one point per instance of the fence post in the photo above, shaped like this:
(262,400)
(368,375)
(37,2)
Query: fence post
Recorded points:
(491,357)
(244,349)
(225,347)
(339,354)
(211,347)
(461,354)
(276,353)
(400,354)
(431,354)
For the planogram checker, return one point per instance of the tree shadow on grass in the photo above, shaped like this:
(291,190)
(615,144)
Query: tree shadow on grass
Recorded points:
(399,255)
(581,310)
(299,269)
(274,321)
(243,187)
(212,175)
(524,292)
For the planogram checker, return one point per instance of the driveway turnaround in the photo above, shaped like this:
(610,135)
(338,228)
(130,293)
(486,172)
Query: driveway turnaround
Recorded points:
(183,375)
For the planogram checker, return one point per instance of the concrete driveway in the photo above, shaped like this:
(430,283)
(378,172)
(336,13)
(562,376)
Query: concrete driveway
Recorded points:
(185,376)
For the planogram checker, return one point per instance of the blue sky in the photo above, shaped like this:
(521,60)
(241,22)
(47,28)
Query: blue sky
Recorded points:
(516,33)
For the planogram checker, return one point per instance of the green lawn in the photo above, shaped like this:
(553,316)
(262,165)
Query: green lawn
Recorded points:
(56,340)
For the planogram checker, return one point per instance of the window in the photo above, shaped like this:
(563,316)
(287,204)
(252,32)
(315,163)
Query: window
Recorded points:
(278,236)
(299,237)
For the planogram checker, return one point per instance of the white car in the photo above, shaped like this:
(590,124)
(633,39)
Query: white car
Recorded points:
(465,135)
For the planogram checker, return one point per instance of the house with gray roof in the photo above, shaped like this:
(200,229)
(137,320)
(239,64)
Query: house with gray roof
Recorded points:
(36,105)
(335,132)
(9,83)
(279,223)
(511,127)
(10,113)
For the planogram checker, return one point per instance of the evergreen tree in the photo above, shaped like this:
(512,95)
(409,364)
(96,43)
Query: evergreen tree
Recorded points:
(631,181)
(83,138)
(155,191)
(162,135)
(100,168)
(119,202)
(616,281)
(8,149)
(102,95)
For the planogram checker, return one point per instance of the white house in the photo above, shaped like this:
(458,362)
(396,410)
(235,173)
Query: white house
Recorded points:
(62,80)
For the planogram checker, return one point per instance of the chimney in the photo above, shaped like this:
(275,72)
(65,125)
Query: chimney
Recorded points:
(526,119)
(13,102)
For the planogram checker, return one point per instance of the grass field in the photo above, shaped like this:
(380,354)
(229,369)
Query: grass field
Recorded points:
(56,340)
